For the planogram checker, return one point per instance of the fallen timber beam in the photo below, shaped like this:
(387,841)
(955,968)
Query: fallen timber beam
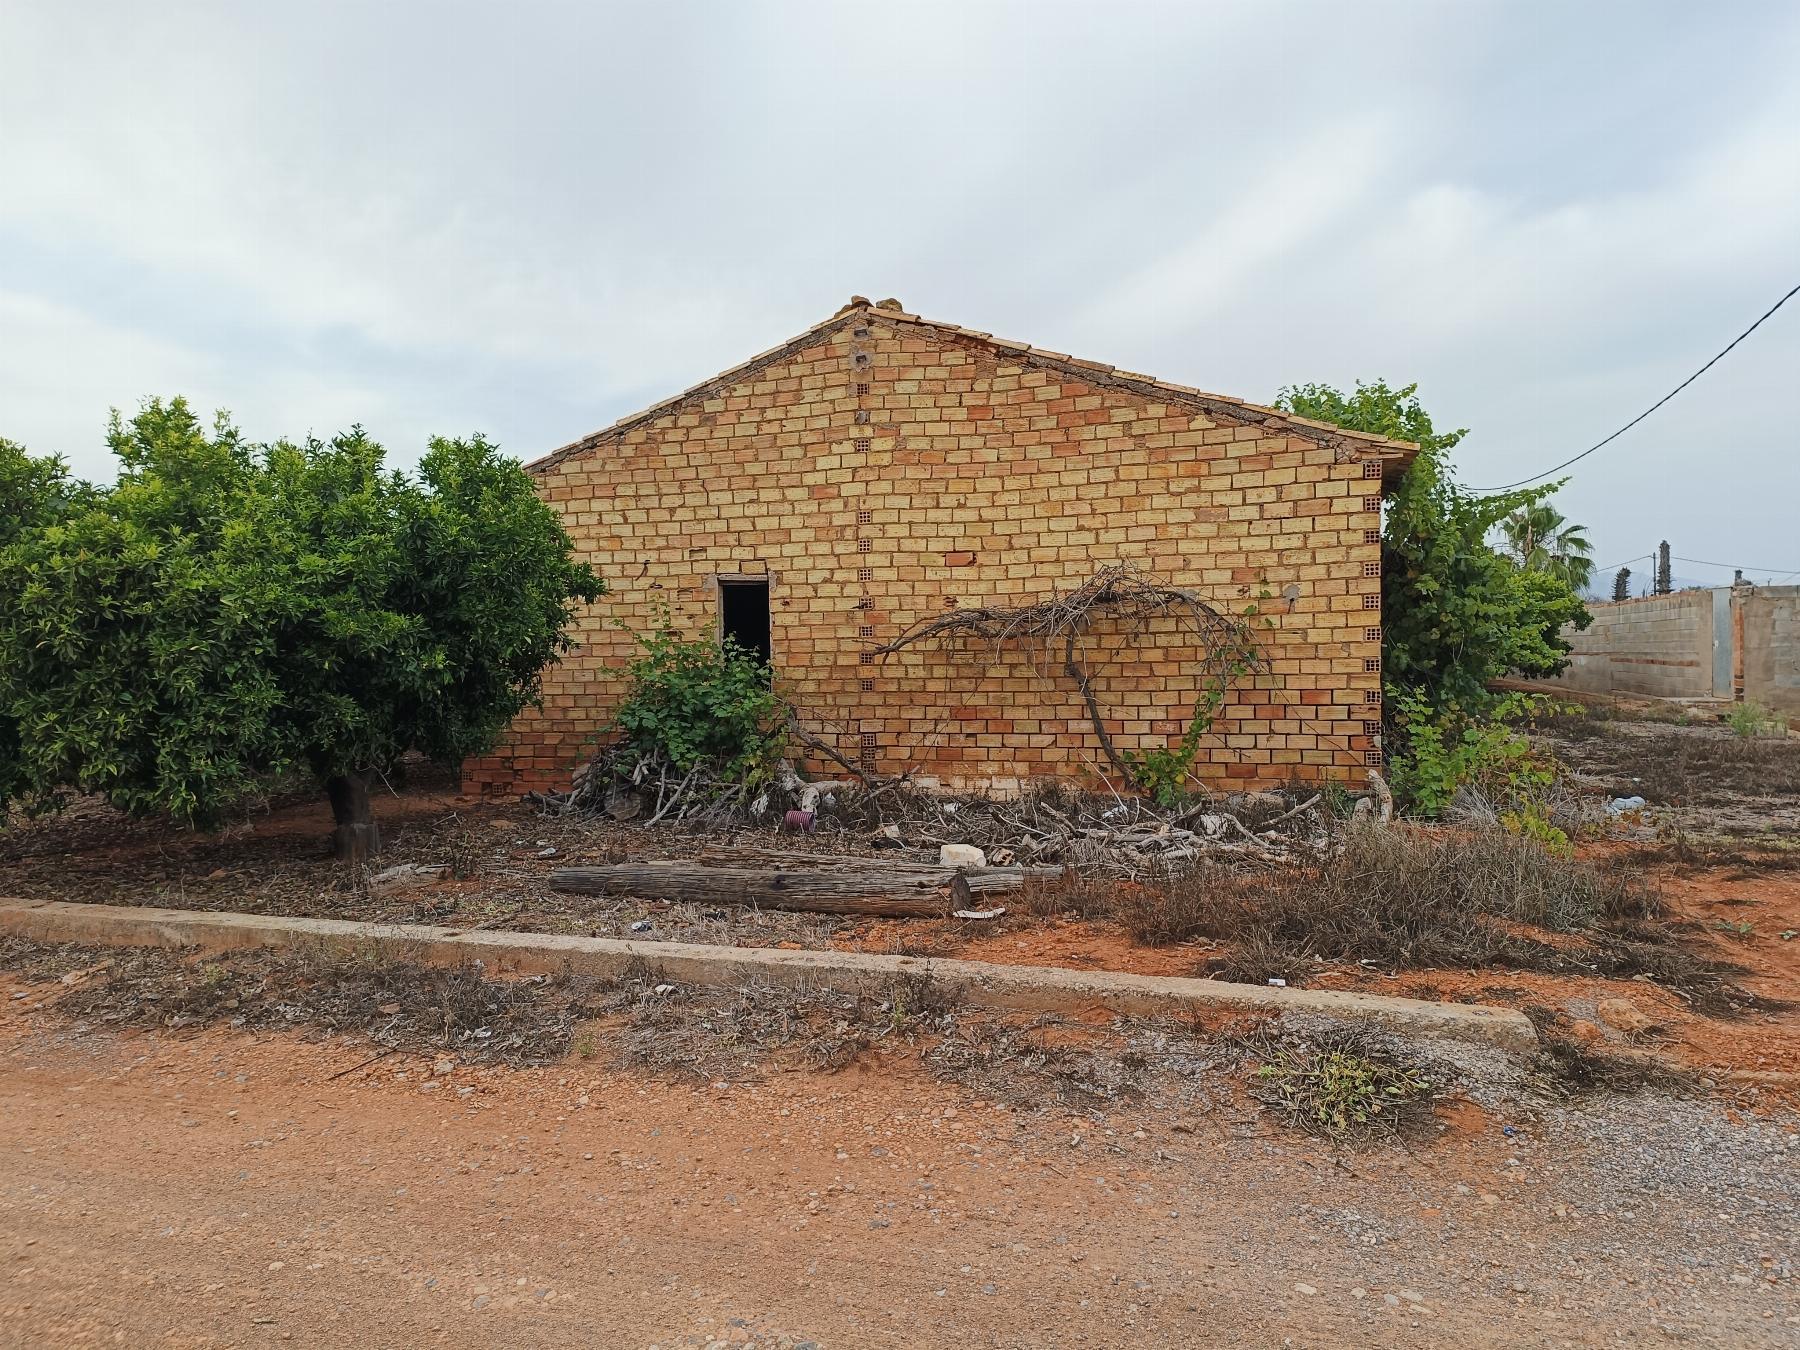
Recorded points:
(888,893)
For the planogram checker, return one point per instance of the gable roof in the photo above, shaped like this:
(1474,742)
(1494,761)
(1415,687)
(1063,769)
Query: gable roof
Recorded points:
(1395,455)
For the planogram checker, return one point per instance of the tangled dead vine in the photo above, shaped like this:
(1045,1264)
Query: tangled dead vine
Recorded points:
(1124,595)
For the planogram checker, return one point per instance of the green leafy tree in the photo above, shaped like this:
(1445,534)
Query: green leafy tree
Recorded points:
(33,494)
(1455,612)
(228,611)
(1540,539)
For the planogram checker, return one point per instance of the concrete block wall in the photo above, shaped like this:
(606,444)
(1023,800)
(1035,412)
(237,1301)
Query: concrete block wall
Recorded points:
(1727,642)
(886,471)
(1771,646)
(1660,645)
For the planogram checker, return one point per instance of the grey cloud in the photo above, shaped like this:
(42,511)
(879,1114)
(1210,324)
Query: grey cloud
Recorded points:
(530,219)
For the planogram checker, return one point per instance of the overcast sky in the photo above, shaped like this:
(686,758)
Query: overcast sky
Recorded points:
(530,219)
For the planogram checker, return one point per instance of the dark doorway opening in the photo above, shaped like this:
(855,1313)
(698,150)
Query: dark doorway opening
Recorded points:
(744,615)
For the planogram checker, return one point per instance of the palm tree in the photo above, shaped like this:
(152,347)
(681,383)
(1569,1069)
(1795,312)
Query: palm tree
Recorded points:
(1541,540)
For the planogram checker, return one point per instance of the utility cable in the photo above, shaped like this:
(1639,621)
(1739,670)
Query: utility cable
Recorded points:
(1524,482)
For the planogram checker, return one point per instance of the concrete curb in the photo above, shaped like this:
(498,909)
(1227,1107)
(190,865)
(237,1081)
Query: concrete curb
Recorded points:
(1031,988)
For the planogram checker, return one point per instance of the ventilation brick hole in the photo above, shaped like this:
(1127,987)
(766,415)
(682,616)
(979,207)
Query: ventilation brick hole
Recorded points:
(1372,757)
(868,686)
(1371,468)
(1371,635)
(865,517)
(860,360)
(1371,602)
(1371,665)
(1372,569)
(1371,696)
(1371,536)
(1371,503)
(1371,727)
(865,545)
(867,602)
(865,574)
(867,630)
(865,658)
(863,442)
(862,388)
(860,332)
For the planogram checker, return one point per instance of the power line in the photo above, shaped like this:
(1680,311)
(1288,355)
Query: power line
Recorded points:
(1523,482)
(1775,572)
(1770,571)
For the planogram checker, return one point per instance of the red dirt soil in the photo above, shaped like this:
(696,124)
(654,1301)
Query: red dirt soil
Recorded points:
(1755,1042)
(222,1190)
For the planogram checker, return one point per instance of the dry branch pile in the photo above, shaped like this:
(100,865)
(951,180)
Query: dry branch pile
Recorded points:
(1103,835)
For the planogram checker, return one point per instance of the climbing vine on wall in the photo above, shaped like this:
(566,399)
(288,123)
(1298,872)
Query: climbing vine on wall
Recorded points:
(1126,599)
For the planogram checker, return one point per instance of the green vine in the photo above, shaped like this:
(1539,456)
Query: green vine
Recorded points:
(1162,774)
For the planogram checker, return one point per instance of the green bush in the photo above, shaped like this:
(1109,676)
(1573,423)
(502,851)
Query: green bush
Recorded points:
(229,611)
(702,706)
(1446,750)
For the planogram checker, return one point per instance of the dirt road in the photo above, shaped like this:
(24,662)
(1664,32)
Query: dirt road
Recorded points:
(221,1190)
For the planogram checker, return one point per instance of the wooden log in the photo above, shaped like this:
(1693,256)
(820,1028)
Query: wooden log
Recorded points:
(872,891)
(756,855)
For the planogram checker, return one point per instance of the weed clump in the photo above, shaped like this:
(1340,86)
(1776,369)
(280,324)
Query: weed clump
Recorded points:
(1748,720)
(1341,1084)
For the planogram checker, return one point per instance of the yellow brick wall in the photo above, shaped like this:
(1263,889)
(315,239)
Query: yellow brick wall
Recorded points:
(976,476)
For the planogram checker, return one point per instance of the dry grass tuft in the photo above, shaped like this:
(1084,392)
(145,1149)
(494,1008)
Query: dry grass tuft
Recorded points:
(399,1005)
(1566,1068)
(1405,899)
(1028,1064)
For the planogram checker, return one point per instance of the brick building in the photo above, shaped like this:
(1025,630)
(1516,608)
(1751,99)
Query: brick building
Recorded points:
(880,468)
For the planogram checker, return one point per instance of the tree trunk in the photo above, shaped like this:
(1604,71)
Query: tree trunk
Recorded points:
(357,837)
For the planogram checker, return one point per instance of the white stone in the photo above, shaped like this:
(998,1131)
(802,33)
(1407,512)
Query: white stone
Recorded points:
(961,855)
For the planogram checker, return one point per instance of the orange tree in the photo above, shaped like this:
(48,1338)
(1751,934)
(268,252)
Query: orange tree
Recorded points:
(227,611)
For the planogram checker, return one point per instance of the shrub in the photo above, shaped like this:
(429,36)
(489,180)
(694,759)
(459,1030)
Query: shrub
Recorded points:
(701,705)
(226,612)
(1455,612)
(1447,752)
